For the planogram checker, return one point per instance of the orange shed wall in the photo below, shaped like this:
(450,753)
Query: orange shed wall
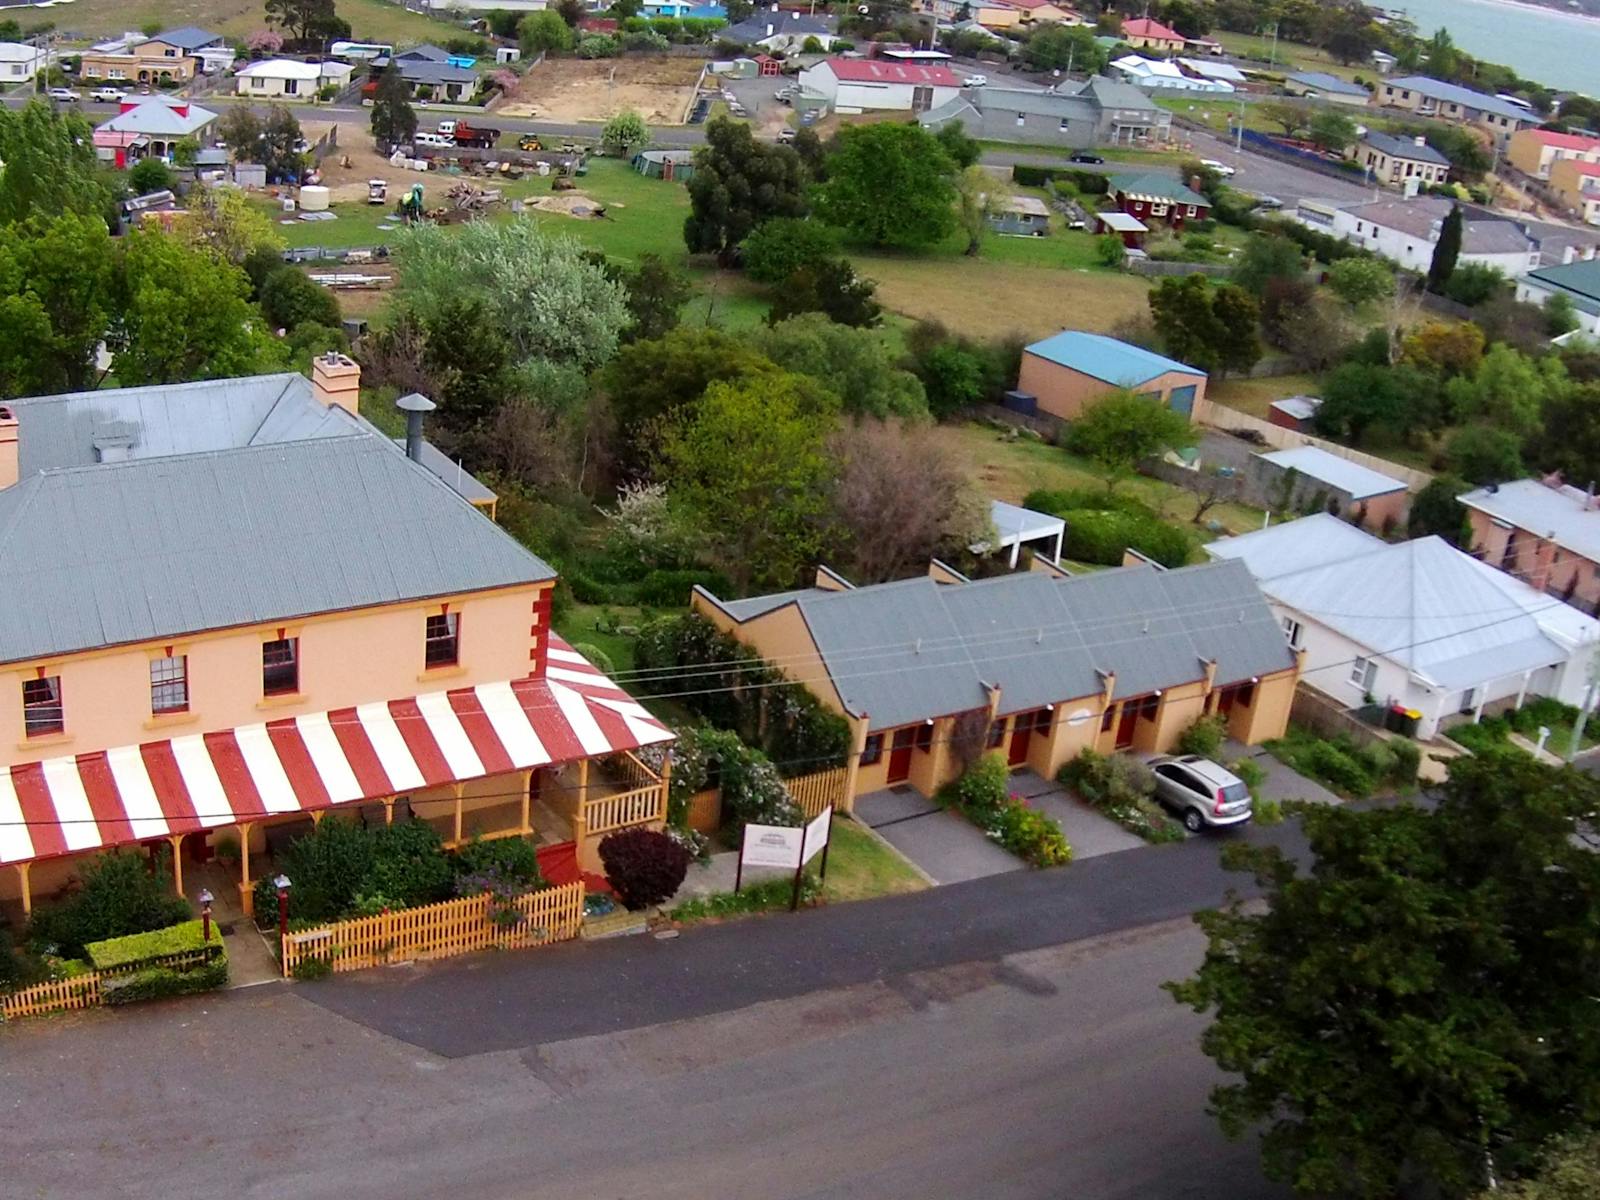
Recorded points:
(345,659)
(1063,392)
(783,639)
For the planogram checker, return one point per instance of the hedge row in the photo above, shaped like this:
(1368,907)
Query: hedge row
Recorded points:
(1090,183)
(1102,536)
(158,983)
(114,953)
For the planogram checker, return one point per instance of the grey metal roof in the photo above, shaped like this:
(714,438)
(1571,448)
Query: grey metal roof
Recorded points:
(189,37)
(1452,93)
(1400,147)
(912,650)
(1114,93)
(161,547)
(754,606)
(1324,82)
(1021,100)
(456,477)
(756,28)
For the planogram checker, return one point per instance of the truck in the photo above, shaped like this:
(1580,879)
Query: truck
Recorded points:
(479,137)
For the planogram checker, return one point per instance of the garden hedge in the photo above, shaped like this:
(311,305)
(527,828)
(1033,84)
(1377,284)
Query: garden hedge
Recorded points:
(130,971)
(1102,536)
(1090,183)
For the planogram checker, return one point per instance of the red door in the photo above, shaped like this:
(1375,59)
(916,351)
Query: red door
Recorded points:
(900,755)
(1126,723)
(1021,735)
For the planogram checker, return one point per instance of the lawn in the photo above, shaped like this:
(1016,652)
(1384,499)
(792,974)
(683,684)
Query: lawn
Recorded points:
(582,623)
(1289,56)
(370,20)
(1254,396)
(861,866)
(1009,470)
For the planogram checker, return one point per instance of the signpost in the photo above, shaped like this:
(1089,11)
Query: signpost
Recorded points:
(790,848)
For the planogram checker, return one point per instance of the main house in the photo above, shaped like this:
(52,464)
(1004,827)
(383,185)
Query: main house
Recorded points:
(1153,196)
(275,77)
(1322,86)
(150,127)
(1038,665)
(229,607)
(1418,623)
(1064,373)
(855,85)
(1452,102)
(1543,532)
(1576,184)
(19,62)
(428,69)
(1406,232)
(1097,112)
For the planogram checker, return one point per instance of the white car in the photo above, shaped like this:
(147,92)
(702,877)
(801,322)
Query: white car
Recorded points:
(108,95)
(66,95)
(1221,168)
(975,81)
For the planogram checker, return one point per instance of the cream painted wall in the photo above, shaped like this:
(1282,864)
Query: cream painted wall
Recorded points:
(783,639)
(345,659)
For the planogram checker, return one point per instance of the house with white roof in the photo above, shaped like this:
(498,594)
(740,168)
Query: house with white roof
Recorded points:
(1405,230)
(276,77)
(1159,74)
(1419,624)
(1309,478)
(20,61)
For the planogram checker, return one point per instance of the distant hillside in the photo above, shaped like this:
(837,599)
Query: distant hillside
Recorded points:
(370,20)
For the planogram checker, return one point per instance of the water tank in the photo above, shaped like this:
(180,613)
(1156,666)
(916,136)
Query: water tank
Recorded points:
(313,198)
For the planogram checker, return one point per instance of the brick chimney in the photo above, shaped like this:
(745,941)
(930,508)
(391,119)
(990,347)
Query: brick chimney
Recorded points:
(10,464)
(336,379)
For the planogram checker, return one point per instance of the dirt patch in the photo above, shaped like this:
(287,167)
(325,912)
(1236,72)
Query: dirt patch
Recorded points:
(345,172)
(570,89)
(571,204)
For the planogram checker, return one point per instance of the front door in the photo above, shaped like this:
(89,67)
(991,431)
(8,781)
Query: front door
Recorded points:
(900,755)
(1021,735)
(1127,721)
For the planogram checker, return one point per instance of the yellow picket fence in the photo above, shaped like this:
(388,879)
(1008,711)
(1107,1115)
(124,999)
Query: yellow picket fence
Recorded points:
(813,793)
(605,813)
(439,931)
(59,995)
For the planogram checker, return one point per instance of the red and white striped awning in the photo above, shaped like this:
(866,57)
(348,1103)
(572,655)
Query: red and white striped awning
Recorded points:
(116,797)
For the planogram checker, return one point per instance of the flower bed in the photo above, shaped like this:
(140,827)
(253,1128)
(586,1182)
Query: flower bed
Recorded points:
(983,796)
(1123,789)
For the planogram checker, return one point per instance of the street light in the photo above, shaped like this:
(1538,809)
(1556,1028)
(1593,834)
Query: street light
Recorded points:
(282,884)
(205,914)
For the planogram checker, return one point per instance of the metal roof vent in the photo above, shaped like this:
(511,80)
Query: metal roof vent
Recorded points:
(113,442)
(415,406)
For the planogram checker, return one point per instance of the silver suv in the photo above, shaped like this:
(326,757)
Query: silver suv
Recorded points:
(1202,794)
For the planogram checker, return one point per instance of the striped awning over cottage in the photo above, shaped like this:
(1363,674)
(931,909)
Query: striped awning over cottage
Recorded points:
(319,760)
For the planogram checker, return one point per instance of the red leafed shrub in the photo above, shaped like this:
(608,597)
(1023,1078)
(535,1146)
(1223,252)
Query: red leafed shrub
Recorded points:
(644,867)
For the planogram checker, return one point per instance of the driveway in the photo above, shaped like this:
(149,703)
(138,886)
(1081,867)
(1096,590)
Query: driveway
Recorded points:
(947,847)
(1283,782)
(1089,833)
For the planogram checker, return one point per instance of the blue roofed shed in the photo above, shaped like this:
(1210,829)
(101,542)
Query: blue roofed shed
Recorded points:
(1072,369)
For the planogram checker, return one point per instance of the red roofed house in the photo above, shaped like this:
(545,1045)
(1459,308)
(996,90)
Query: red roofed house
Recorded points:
(1144,34)
(1534,151)
(1576,184)
(853,85)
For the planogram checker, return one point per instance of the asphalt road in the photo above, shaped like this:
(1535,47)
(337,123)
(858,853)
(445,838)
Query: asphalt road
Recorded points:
(1064,1072)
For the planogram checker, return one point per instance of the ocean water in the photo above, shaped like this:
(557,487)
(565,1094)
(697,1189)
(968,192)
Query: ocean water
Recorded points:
(1558,49)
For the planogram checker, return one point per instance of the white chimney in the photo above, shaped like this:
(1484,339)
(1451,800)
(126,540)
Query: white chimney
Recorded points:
(1568,253)
(1421,140)
(769,28)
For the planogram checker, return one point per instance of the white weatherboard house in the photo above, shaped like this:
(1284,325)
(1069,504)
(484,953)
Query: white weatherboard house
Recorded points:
(1415,623)
(853,85)
(287,77)
(19,61)
(1406,232)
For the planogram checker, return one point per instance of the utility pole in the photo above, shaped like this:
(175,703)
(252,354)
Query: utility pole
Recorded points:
(1584,709)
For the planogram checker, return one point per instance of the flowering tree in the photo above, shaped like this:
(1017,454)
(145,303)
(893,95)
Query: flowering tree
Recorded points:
(264,41)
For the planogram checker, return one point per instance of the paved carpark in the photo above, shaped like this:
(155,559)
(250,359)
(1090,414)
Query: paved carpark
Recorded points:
(1282,781)
(943,844)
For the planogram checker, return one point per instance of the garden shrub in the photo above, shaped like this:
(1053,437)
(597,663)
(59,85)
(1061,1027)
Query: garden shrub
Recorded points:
(1204,737)
(1059,500)
(586,590)
(753,794)
(670,589)
(766,896)
(644,867)
(983,794)
(121,894)
(129,972)
(1122,788)
(339,862)
(1335,766)
(1089,183)
(1101,537)
(310,967)
(1379,760)
(737,691)
(1407,761)
(511,856)
(596,656)
(1250,773)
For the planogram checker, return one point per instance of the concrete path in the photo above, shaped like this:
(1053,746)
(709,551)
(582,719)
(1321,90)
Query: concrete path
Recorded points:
(1088,833)
(947,847)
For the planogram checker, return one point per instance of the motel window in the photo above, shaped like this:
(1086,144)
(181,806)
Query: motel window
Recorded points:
(925,737)
(291,87)
(1363,673)
(872,750)
(169,684)
(442,643)
(280,666)
(42,712)
(997,734)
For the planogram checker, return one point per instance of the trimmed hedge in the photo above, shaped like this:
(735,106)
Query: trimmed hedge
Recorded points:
(1101,537)
(125,981)
(136,948)
(1090,183)
(158,983)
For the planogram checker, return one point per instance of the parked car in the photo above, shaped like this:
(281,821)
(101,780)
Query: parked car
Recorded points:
(108,95)
(1083,156)
(785,136)
(1221,168)
(1201,794)
(65,95)
(975,81)
(1271,203)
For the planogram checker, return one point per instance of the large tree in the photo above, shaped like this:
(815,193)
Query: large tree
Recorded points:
(1446,251)
(1065,48)
(57,294)
(185,316)
(890,185)
(748,464)
(1213,328)
(544,31)
(47,165)
(739,183)
(1509,390)
(1420,1008)
(308,20)
(1333,131)
(854,364)
(1120,430)
(394,121)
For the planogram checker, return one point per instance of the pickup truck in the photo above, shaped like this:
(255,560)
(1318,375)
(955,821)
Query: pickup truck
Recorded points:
(108,95)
